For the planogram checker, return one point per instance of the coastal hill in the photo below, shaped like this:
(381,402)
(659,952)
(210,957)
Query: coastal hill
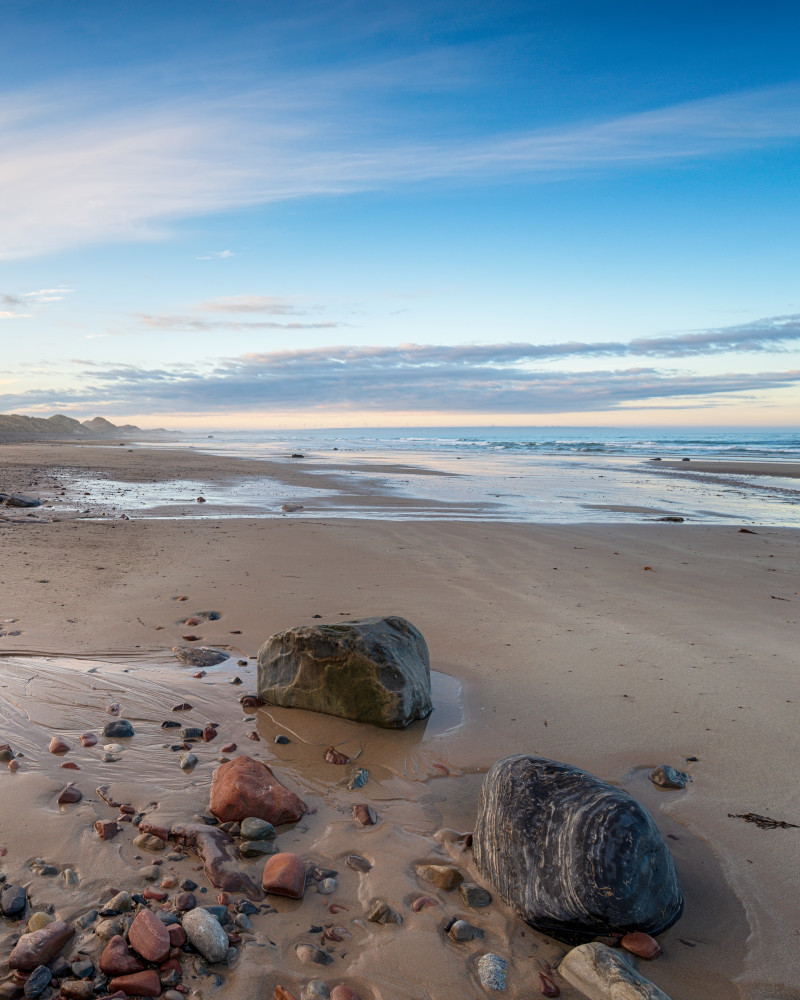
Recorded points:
(17,428)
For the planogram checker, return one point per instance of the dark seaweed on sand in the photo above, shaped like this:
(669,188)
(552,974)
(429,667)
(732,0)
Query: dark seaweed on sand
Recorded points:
(764,822)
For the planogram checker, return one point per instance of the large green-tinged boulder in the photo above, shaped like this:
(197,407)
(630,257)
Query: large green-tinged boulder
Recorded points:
(375,670)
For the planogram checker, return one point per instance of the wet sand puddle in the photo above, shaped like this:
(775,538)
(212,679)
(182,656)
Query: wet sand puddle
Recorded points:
(413,784)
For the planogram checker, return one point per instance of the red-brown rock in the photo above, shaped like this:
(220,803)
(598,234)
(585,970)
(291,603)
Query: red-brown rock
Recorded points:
(244,787)
(156,894)
(228,748)
(641,944)
(342,992)
(365,814)
(70,765)
(285,875)
(106,829)
(57,745)
(150,938)
(69,794)
(209,734)
(88,739)
(281,993)
(177,935)
(138,984)
(40,947)
(116,960)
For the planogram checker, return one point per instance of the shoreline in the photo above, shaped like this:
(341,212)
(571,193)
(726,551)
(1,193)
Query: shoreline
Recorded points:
(562,642)
(103,481)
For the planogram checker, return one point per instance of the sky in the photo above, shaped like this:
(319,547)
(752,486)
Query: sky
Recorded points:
(259,214)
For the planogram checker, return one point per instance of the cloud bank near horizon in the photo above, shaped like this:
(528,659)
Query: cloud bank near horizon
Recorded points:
(482,378)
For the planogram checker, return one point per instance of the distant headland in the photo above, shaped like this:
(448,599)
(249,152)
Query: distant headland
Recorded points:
(17,428)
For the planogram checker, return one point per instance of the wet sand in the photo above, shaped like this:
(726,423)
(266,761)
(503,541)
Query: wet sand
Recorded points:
(612,647)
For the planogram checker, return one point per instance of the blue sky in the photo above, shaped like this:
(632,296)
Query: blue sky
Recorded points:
(380,213)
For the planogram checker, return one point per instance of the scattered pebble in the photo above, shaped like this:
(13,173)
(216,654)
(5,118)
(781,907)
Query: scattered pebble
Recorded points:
(358,778)
(442,876)
(333,756)
(311,955)
(257,848)
(69,794)
(492,971)
(668,777)
(640,944)
(57,745)
(474,895)
(381,913)
(148,842)
(199,656)
(365,814)
(460,931)
(315,989)
(118,729)
(422,901)
(253,828)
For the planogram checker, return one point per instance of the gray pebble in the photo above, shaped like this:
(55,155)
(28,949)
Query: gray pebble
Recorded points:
(37,981)
(122,903)
(256,848)
(206,935)
(474,895)
(107,929)
(188,761)
(87,918)
(460,930)
(254,828)
(492,971)
(358,863)
(83,969)
(13,900)
(315,989)
(310,955)
(243,922)
(327,886)
(69,876)
(118,729)
(668,777)
(382,913)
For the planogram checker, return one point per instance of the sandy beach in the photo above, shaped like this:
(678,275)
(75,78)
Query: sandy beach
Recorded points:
(612,647)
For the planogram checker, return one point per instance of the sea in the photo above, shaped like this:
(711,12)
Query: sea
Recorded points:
(542,474)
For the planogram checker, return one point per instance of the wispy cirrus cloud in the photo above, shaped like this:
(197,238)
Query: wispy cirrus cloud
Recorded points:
(124,173)
(487,378)
(218,255)
(271,304)
(195,324)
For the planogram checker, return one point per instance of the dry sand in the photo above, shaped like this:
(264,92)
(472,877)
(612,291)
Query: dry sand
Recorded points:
(614,648)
